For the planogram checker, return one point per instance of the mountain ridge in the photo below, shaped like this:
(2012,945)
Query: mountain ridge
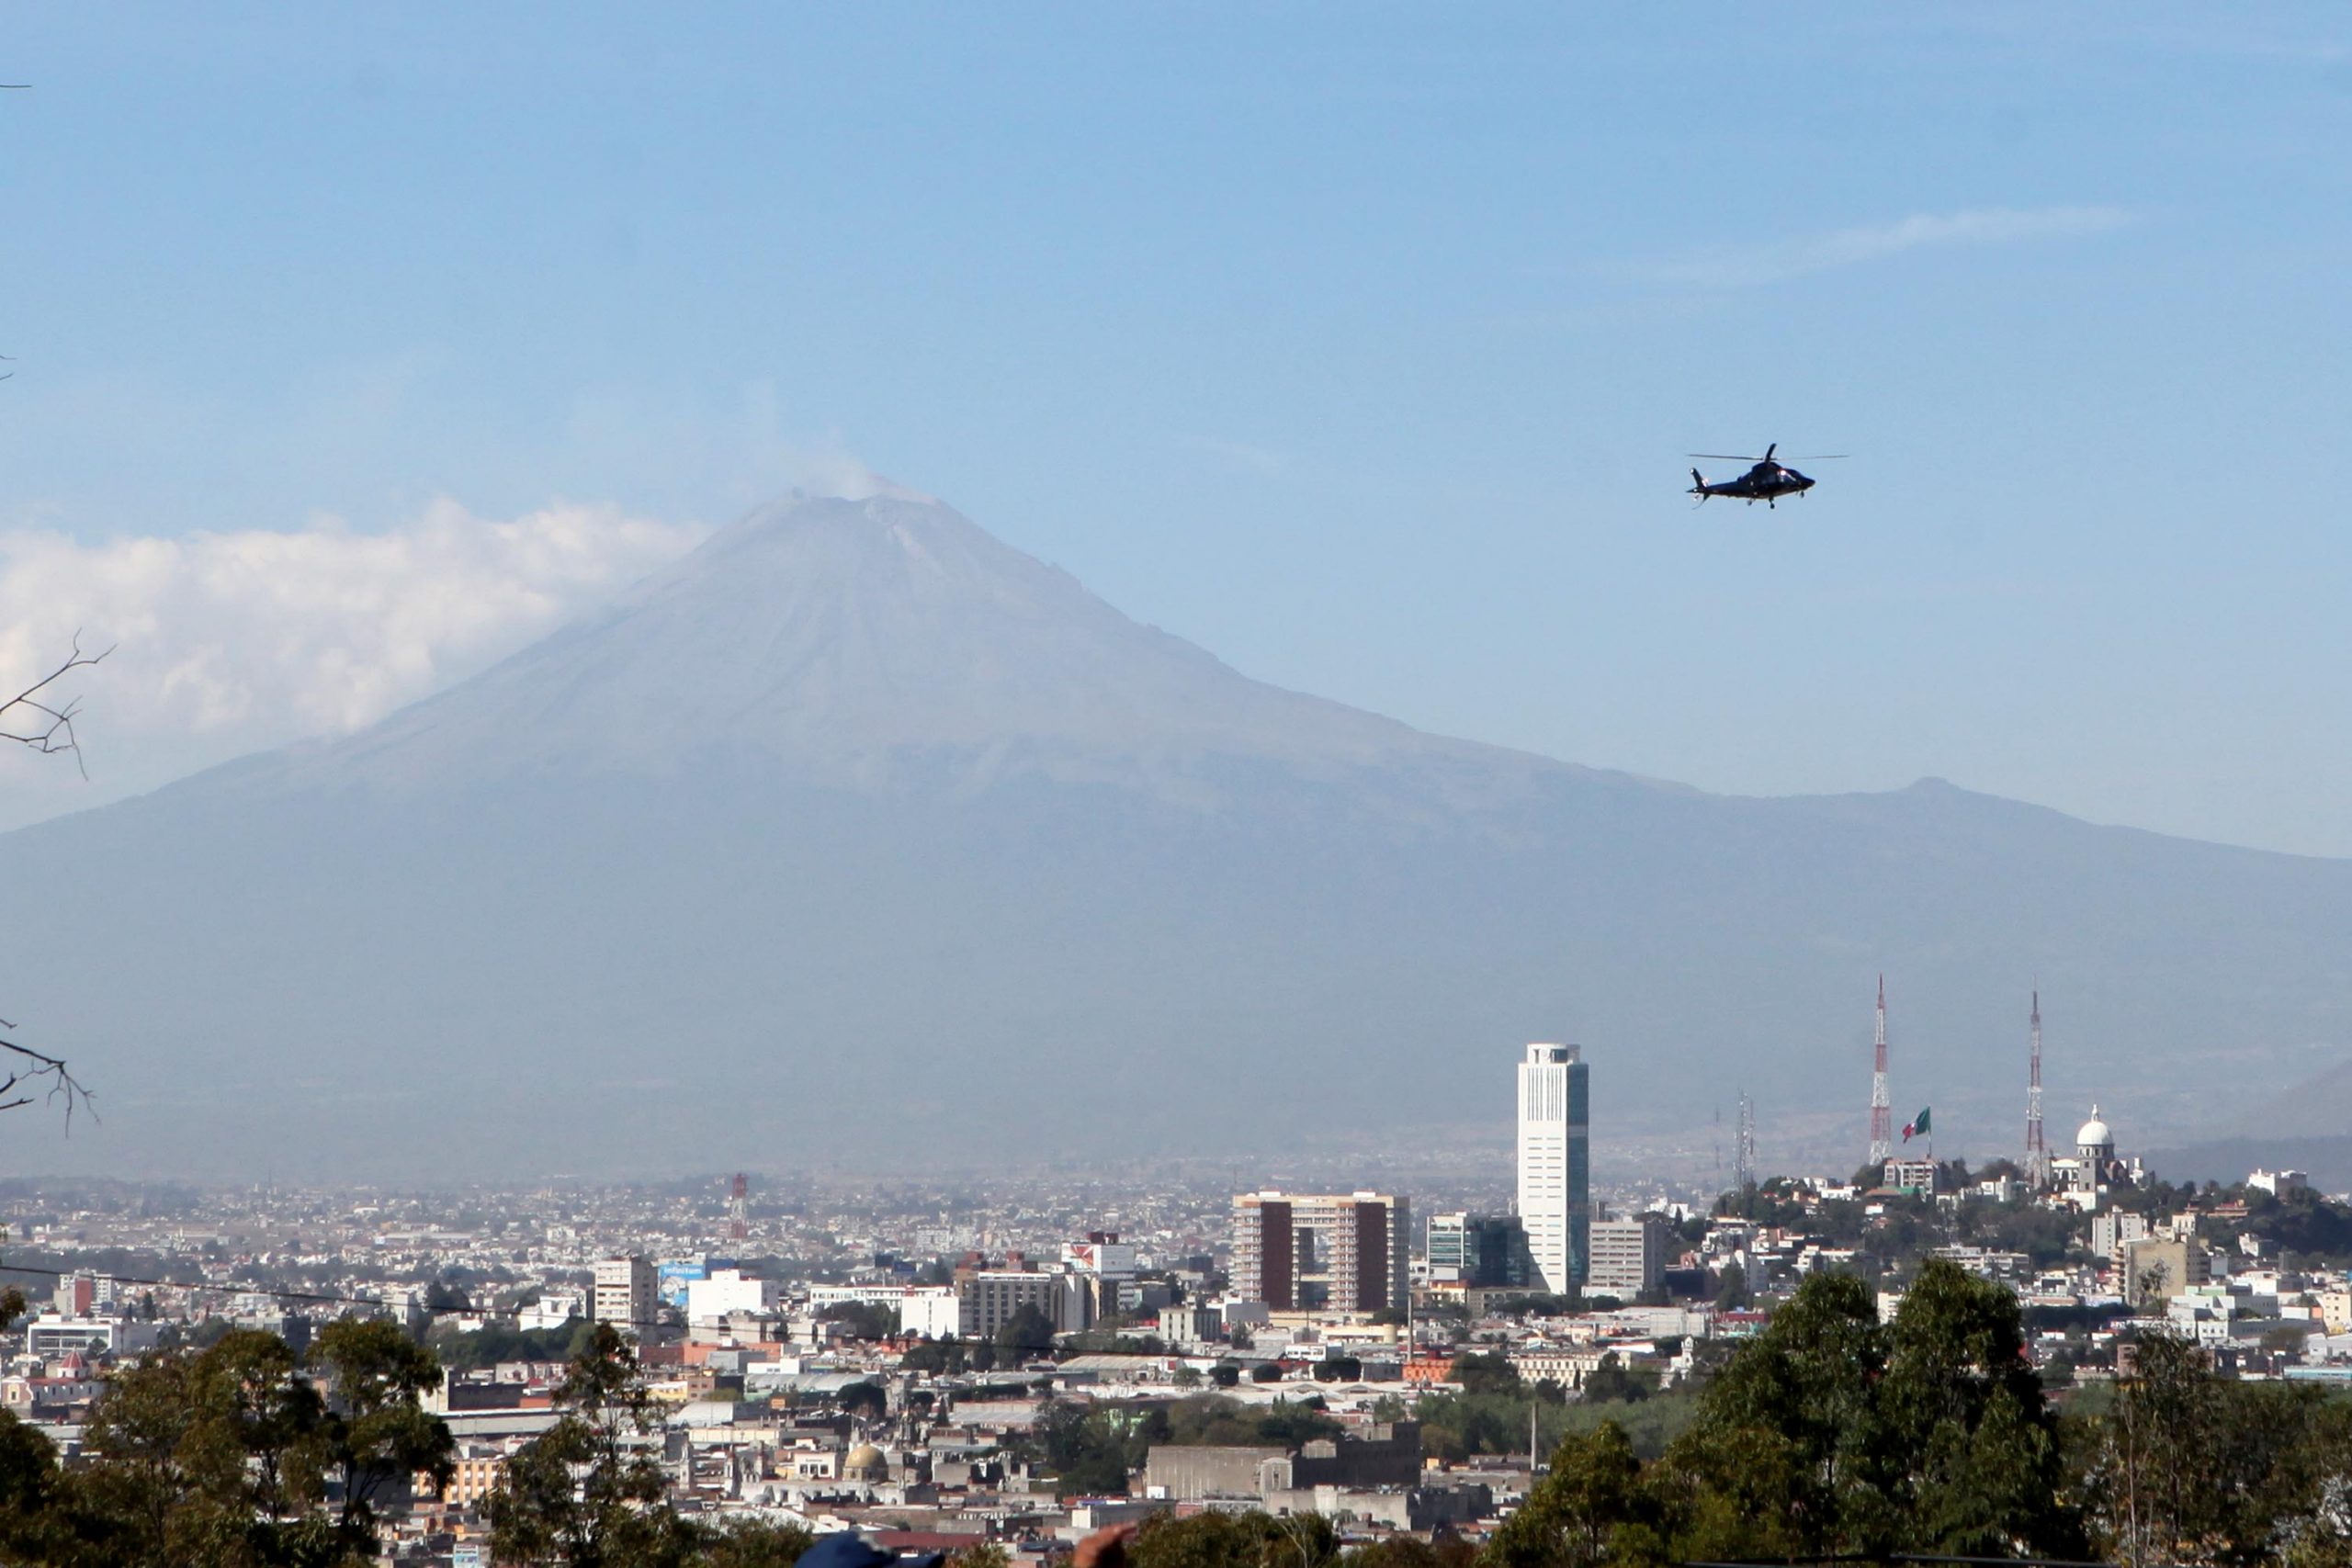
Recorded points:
(858,817)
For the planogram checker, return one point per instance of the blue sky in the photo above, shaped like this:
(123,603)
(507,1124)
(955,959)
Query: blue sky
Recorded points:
(1361,345)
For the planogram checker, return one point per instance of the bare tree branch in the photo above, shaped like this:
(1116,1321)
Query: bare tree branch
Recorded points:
(37,1068)
(50,726)
(49,731)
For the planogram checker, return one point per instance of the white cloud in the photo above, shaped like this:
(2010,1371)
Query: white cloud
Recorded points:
(1747,266)
(229,642)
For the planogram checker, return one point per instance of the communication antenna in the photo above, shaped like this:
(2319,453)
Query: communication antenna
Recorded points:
(739,1209)
(1743,1150)
(2037,1150)
(1882,1104)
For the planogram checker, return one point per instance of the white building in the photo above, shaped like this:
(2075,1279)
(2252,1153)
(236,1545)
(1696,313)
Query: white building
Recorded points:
(624,1294)
(51,1335)
(933,1311)
(552,1311)
(1102,1254)
(726,1292)
(1555,1165)
(2093,1168)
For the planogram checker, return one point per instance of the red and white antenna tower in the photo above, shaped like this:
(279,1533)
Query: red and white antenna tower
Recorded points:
(1881,1106)
(739,1209)
(2036,1152)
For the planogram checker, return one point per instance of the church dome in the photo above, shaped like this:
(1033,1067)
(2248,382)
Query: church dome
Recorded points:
(2095,1134)
(865,1463)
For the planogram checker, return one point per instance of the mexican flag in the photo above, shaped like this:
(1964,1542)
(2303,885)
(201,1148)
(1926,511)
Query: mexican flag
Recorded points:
(1916,1127)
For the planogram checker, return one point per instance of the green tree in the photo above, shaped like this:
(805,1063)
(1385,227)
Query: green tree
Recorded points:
(1490,1373)
(1025,1335)
(1830,1432)
(864,1401)
(2186,1466)
(864,1320)
(210,1458)
(1233,1541)
(1963,1413)
(1408,1551)
(1805,1382)
(585,1493)
(1731,1288)
(1592,1509)
(32,1497)
(1612,1381)
(752,1543)
(376,1432)
(938,1357)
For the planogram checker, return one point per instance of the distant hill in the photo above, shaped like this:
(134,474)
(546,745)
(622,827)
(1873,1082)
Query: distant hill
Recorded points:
(860,835)
(2327,1161)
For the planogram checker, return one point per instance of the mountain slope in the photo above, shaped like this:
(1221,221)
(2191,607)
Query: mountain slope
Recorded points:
(855,641)
(859,835)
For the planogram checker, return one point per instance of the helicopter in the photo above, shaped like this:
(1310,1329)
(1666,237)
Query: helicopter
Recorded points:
(1767,482)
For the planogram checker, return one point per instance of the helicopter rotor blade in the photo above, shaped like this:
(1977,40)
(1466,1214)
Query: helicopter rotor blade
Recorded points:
(1767,458)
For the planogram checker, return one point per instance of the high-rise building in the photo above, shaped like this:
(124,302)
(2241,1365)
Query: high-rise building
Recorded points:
(1324,1252)
(624,1294)
(1481,1251)
(1556,1163)
(1628,1256)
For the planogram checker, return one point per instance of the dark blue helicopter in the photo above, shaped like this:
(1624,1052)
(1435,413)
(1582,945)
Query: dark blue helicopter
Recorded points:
(1767,482)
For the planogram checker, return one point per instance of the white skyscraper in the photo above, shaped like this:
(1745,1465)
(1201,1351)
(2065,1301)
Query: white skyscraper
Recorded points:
(1555,1165)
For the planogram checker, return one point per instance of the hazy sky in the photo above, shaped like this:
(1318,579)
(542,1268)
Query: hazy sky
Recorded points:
(1361,345)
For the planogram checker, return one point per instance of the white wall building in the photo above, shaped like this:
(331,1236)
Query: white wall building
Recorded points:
(930,1310)
(726,1292)
(51,1334)
(624,1294)
(550,1311)
(1554,1163)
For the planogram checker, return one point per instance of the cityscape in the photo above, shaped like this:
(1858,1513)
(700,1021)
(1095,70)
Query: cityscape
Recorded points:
(885,1358)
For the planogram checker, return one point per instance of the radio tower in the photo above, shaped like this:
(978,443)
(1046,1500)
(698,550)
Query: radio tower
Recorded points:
(739,1209)
(2037,1153)
(1881,1106)
(1743,1158)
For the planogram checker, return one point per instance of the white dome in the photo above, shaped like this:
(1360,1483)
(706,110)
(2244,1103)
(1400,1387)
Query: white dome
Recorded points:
(2093,1133)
